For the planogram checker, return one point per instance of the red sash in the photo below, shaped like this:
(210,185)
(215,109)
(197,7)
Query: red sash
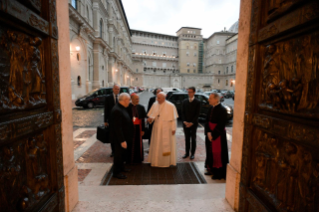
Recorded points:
(138,121)
(216,149)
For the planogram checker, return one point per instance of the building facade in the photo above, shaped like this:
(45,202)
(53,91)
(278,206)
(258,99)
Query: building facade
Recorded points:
(104,50)
(100,45)
(186,59)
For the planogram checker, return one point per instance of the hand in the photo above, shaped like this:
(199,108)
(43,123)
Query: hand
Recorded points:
(143,133)
(210,137)
(106,124)
(150,120)
(173,132)
(124,145)
(189,124)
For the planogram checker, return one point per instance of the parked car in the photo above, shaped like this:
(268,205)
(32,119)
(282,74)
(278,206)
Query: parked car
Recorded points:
(166,90)
(178,97)
(208,93)
(97,97)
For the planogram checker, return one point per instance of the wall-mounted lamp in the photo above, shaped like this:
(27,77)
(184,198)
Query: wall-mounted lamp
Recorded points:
(77,48)
(128,76)
(115,70)
(233,81)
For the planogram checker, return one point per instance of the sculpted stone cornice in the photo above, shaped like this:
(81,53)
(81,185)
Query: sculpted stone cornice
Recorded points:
(148,44)
(102,43)
(84,25)
(97,4)
(135,56)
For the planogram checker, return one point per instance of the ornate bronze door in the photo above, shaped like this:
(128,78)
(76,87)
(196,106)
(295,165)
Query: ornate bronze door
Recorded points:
(280,164)
(31,168)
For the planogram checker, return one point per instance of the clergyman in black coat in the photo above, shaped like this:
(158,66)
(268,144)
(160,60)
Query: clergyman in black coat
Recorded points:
(138,115)
(110,101)
(190,114)
(150,104)
(216,141)
(121,134)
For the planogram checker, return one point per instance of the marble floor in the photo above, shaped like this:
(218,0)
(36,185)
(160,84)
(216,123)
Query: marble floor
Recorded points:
(93,162)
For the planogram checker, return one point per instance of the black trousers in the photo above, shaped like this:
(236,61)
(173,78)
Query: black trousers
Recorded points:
(190,134)
(119,158)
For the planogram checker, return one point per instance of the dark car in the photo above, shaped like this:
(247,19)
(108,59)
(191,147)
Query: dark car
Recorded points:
(97,97)
(178,97)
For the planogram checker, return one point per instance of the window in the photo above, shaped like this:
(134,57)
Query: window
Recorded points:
(87,13)
(137,70)
(227,70)
(102,91)
(74,4)
(136,79)
(79,80)
(217,42)
(218,72)
(173,66)
(144,51)
(195,54)
(188,70)
(218,81)
(187,53)
(101,28)
(164,53)
(194,70)
(232,69)
(187,64)
(226,82)
(144,63)
(133,51)
(154,52)
(220,61)
(194,64)
(164,65)
(231,83)
(102,67)
(102,86)
(154,64)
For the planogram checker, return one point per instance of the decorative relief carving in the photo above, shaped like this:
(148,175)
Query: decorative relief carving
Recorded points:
(286,173)
(59,155)
(62,199)
(51,204)
(24,174)
(55,74)
(53,12)
(290,77)
(250,78)
(21,127)
(278,7)
(254,21)
(38,23)
(22,76)
(261,121)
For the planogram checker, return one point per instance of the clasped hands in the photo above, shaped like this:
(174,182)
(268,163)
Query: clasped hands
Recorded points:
(188,124)
(210,137)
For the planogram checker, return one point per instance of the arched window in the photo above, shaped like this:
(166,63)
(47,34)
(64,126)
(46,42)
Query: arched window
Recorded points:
(79,80)
(232,68)
(101,28)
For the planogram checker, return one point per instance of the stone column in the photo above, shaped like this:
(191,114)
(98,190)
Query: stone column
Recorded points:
(234,167)
(111,70)
(70,170)
(96,66)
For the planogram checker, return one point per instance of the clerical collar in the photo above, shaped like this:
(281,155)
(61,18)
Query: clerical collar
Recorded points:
(191,99)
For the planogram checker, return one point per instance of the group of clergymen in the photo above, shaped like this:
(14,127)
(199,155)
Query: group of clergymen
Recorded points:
(126,120)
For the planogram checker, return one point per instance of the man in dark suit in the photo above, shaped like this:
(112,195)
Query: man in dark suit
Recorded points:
(110,101)
(190,114)
(121,134)
(150,103)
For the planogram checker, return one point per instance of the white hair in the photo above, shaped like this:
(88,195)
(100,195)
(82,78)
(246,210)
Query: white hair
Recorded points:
(123,96)
(162,94)
(216,96)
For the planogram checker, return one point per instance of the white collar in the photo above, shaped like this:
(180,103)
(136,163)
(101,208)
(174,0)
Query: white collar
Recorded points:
(191,99)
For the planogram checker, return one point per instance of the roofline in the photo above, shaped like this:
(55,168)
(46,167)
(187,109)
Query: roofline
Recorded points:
(135,30)
(129,29)
(188,28)
(232,36)
(221,33)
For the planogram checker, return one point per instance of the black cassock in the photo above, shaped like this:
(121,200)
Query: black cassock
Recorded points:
(216,150)
(135,149)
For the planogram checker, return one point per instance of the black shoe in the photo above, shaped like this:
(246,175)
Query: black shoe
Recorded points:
(208,173)
(112,155)
(127,170)
(120,176)
(192,157)
(185,156)
(216,177)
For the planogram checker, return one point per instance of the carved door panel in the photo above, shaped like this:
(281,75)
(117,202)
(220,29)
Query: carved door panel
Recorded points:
(280,164)
(31,167)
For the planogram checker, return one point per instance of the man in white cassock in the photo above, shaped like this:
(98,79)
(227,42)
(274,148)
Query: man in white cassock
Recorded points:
(162,151)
